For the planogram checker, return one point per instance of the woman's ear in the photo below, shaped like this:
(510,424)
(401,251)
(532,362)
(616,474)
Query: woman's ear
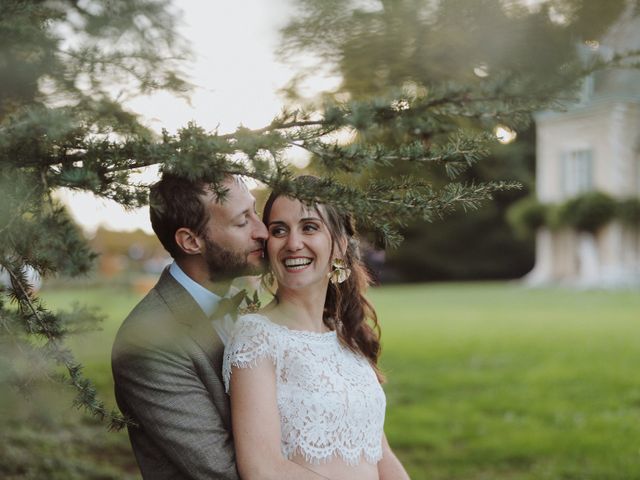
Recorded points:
(189,242)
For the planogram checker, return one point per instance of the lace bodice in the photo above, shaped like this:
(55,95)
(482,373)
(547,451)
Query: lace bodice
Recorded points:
(330,401)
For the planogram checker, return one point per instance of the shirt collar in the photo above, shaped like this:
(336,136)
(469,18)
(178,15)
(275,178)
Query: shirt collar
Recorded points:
(205,298)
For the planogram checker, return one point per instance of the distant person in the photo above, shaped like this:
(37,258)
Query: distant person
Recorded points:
(167,356)
(302,373)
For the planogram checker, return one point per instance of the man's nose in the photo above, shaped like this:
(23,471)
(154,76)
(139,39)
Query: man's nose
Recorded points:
(260,231)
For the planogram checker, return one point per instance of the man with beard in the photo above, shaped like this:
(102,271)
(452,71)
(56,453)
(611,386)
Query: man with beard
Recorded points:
(167,356)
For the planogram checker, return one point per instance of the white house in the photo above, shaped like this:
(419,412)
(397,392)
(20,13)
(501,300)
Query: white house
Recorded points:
(595,145)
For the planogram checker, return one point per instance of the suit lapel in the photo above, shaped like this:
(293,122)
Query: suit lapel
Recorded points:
(188,312)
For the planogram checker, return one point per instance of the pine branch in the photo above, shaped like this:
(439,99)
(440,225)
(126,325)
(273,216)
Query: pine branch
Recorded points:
(85,391)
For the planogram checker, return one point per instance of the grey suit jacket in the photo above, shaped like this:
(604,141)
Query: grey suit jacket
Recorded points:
(167,362)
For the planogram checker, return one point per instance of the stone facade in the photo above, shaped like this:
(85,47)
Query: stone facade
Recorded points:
(594,145)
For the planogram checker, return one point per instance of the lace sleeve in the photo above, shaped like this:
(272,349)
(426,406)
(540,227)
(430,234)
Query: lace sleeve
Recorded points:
(251,340)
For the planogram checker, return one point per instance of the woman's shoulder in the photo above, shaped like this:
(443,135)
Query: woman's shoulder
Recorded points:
(252,324)
(251,338)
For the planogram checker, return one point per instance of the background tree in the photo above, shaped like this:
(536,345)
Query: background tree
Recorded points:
(483,49)
(66,68)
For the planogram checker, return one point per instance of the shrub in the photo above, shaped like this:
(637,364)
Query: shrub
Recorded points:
(526,216)
(587,212)
(628,211)
(553,217)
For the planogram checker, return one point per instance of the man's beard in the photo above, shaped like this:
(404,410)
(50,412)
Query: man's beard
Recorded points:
(226,264)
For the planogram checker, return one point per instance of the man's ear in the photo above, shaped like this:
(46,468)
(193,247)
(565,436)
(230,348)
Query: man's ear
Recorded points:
(189,242)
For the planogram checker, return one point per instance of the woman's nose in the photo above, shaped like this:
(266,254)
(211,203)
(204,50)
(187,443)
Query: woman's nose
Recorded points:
(294,242)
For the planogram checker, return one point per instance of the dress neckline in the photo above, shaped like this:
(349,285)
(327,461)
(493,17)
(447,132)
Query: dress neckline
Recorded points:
(296,332)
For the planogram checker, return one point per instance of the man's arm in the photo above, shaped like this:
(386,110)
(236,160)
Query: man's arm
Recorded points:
(256,426)
(163,393)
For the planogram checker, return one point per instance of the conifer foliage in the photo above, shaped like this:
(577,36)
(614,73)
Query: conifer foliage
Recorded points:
(63,65)
(490,52)
(65,68)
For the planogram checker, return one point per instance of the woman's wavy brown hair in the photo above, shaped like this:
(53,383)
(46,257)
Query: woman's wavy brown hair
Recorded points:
(346,309)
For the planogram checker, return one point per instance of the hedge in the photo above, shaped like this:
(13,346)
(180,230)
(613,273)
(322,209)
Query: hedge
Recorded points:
(587,212)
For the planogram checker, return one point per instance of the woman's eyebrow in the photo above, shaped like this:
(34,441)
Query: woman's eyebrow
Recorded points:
(276,222)
(302,220)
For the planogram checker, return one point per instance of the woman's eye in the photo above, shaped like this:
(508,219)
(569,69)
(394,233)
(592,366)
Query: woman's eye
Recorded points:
(310,227)
(277,231)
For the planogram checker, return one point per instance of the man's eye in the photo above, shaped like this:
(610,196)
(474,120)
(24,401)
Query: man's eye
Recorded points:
(246,222)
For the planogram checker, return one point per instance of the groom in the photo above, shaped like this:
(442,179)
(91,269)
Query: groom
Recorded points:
(167,356)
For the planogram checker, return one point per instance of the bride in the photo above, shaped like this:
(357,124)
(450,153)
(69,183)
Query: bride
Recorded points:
(302,374)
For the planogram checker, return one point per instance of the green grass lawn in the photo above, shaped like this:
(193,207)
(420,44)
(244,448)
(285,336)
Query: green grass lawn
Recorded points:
(485,381)
(494,381)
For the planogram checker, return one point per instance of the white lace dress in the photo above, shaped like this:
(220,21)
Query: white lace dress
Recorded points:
(330,401)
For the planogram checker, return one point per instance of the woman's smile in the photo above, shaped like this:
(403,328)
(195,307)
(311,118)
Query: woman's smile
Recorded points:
(296,264)
(299,245)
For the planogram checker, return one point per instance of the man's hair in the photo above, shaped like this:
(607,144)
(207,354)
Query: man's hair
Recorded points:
(176,202)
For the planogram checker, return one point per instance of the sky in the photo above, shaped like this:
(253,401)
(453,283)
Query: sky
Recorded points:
(237,78)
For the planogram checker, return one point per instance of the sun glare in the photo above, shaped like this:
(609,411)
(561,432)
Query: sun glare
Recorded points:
(504,134)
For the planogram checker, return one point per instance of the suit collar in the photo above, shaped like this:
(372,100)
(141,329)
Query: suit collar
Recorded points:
(187,312)
(184,308)
(205,298)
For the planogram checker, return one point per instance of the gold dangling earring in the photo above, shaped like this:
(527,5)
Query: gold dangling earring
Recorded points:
(339,271)
(268,279)
(268,282)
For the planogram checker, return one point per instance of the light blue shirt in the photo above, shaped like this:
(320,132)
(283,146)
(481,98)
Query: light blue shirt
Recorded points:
(206,300)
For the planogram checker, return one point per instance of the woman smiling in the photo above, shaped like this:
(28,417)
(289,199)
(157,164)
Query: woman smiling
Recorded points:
(306,398)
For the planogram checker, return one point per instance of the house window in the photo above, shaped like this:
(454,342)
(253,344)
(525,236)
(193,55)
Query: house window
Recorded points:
(576,172)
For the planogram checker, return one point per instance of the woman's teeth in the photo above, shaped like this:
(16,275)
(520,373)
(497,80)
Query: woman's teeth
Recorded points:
(296,263)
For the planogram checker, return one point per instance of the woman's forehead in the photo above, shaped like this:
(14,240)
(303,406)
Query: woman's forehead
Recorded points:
(294,207)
